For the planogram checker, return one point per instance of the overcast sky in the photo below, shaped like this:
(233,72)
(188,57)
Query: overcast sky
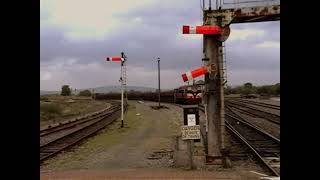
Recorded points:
(77,35)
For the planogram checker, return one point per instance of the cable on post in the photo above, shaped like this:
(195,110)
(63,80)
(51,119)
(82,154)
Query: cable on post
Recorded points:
(202,5)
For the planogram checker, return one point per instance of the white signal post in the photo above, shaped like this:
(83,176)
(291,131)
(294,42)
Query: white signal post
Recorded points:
(121,95)
(123,60)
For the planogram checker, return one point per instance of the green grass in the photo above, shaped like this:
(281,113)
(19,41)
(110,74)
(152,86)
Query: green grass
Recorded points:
(49,111)
(113,133)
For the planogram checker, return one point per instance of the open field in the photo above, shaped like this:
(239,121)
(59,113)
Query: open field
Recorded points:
(54,109)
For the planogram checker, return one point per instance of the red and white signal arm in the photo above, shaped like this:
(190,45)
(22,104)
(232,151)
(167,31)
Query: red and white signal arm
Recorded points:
(201,29)
(115,58)
(195,73)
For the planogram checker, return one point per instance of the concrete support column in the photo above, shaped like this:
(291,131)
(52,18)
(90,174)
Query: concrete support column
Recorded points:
(212,96)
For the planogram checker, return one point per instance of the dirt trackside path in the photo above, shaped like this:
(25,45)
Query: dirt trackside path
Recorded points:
(130,147)
(124,153)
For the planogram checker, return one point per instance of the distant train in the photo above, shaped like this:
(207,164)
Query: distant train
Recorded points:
(190,94)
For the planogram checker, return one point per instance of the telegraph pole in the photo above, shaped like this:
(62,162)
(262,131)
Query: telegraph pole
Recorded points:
(159,80)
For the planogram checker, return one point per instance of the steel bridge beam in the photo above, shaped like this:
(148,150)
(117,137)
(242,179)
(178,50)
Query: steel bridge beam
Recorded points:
(244,15)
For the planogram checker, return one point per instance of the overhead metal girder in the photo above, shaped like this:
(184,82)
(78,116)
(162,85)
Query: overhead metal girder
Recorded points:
(243,15)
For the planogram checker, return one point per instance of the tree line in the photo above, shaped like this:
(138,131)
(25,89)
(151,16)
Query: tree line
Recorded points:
(249,88)
(66,91)
(245,89)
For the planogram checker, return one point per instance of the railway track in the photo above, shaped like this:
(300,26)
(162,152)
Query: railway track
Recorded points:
(52,129)
(266,105)
(78,133)
(264,146)
(237,115)
(252,111)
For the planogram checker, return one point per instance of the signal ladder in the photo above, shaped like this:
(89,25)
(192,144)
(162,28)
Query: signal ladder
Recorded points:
(223,65)
(124,76)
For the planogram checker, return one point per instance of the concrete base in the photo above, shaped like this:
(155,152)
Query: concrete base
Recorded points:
(227,162)
(199,162)
(189,154)
(181,159)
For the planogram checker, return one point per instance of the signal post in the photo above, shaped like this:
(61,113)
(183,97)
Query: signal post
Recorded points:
(213,92)
(123,79)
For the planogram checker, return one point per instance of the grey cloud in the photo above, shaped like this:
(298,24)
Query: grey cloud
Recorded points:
(257,60)
(157,37)
(257,77)
(165,17)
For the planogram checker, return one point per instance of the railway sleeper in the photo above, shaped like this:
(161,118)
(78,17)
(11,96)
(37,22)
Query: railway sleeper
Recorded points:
(267,149)
(269,154)
(257,139)
(265,142)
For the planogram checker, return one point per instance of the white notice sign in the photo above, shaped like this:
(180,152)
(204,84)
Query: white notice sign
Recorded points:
(191,119)
(190,132)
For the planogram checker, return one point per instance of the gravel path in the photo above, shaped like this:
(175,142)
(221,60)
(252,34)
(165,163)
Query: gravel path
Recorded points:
(154,174)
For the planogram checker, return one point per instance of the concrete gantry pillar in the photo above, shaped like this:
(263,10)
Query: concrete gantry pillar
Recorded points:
(212,95)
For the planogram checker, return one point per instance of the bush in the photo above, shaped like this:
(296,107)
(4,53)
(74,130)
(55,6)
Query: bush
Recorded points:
(43,98)
(65,90)
(85,93)
(50,109)
(248,88)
